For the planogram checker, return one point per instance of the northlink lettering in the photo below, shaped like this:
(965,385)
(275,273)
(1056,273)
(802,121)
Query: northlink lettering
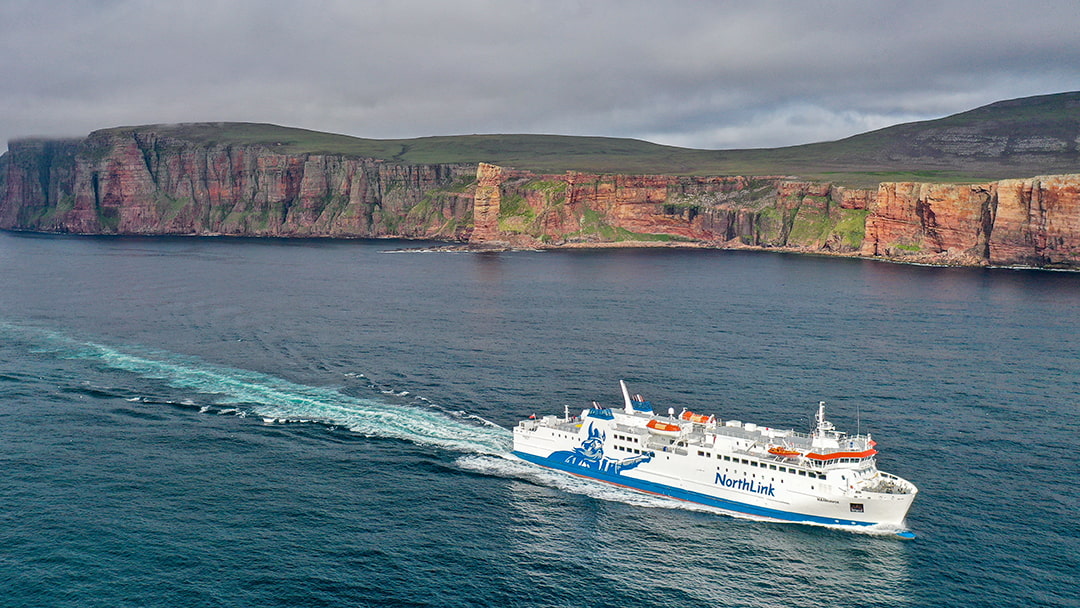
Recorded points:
(746,485)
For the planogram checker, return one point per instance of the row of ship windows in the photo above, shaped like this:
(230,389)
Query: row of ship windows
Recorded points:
(810,474)
(774,467)
(752,463)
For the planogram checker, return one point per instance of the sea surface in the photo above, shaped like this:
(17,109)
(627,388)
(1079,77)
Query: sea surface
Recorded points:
(232,422)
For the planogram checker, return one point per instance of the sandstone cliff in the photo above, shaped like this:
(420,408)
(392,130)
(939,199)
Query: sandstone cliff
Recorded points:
(520,208)
(146,182)
(1017,222)
(1033,222)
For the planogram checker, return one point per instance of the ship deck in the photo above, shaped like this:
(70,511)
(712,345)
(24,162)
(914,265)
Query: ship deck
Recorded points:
(743,440)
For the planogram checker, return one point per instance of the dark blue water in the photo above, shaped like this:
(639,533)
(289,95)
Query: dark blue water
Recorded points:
(282,423)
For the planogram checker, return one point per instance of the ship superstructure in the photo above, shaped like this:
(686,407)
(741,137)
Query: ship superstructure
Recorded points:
(822,477)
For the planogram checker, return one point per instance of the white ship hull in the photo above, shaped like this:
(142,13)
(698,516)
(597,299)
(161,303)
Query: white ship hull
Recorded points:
(823,478)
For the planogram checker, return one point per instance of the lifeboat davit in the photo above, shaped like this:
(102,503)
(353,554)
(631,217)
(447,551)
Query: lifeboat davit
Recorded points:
(657,427)
(699,418)
(779,450)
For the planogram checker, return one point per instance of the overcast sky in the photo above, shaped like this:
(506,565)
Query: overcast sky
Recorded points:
(695,73)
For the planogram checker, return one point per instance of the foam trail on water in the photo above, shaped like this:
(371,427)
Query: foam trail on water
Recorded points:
(276,399)
(242,392)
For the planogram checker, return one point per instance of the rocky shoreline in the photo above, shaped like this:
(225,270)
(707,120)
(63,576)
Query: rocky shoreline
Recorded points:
(146,181)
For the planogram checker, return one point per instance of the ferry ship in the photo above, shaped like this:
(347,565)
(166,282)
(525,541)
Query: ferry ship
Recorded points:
(825,477)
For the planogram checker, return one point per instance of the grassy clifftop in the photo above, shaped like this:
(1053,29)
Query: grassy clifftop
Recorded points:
(1015,138)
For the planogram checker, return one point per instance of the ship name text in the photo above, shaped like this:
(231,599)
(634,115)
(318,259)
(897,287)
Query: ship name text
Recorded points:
(746,485)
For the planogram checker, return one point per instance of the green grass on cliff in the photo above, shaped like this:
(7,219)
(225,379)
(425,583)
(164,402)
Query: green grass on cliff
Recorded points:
(851,229)
(1015,138)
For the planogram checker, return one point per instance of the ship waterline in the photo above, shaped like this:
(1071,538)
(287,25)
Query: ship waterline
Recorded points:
(825,477)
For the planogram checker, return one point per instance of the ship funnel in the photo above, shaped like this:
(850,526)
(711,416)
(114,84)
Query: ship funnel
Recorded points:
(636,403)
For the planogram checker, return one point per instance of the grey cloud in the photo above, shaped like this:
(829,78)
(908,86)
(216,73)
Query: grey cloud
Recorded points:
(722,74)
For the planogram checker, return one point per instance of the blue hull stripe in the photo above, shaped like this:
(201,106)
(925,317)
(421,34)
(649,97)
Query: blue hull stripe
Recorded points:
(651,487)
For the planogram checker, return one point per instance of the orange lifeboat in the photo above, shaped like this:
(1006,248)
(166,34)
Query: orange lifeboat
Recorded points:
(779,450)
(699,418)
(657,427)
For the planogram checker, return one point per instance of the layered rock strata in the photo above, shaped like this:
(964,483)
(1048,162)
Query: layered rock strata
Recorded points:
(575,209)
(142,181)
(145,183)
(1031,222)
(1016,222)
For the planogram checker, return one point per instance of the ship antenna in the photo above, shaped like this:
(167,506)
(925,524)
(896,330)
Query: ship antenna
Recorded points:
(824,427)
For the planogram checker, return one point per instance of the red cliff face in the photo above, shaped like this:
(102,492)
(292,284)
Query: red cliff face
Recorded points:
(486,204)
(523,208)
(1033,221)
(1037,222)
(147,183)
(36,179)
(573,209)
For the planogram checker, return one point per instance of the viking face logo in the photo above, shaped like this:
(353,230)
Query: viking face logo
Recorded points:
(593,447)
